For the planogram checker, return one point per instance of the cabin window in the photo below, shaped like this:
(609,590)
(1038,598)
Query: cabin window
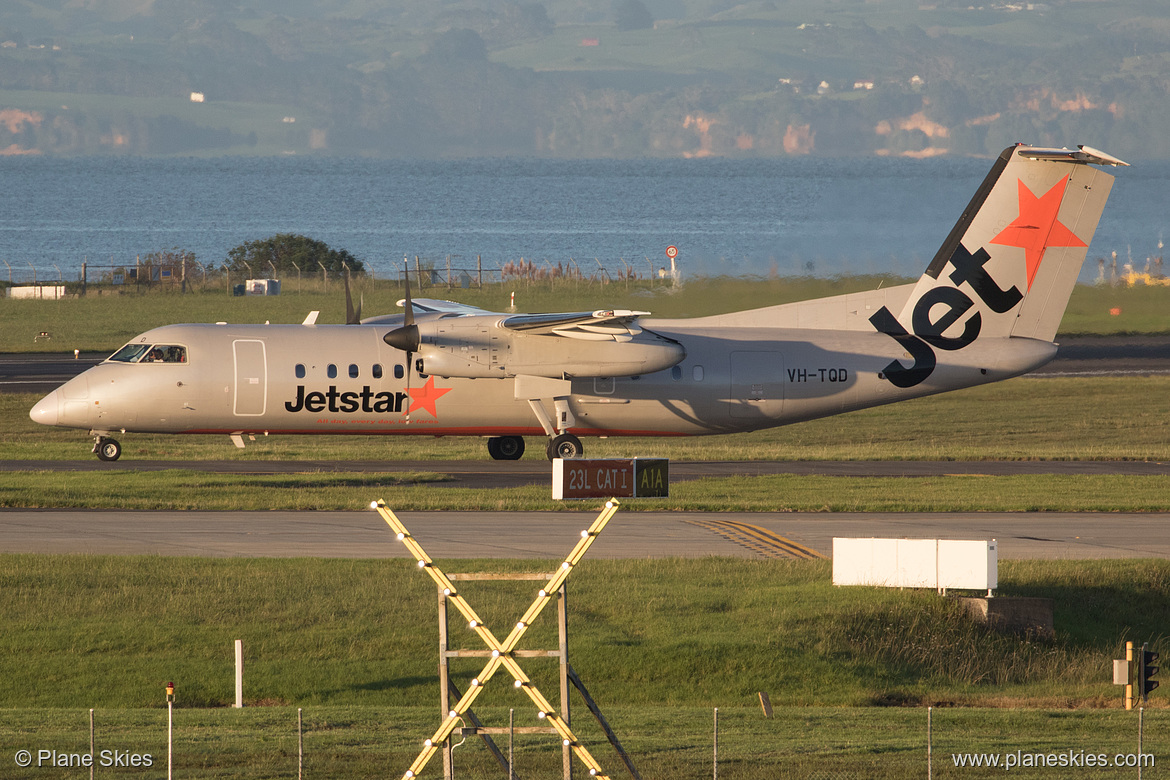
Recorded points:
(697,373)
(353,371)
(331,371)
(376,371)
(676,373)
(399,372)
(603,385)
(300,370)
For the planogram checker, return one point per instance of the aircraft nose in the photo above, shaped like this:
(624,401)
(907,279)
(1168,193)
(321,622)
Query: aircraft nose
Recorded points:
(46,410)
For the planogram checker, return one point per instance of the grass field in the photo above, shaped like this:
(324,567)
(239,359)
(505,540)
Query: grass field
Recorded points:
(685,632)
(666,743)
(353,643)
(196,490)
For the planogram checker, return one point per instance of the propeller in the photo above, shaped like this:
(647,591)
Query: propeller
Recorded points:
(407,337)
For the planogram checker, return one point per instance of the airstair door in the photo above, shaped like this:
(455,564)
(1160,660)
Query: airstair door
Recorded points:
(251,378)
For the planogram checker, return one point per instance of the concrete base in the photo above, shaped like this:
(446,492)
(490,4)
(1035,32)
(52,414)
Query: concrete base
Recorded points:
(1013,615)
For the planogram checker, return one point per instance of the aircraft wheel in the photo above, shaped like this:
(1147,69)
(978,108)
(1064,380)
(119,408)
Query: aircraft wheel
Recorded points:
(506,447)
(565,446)
(108,449)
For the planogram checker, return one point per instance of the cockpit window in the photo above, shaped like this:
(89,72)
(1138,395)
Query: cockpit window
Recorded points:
(131,353)
(151,353)
(166,353)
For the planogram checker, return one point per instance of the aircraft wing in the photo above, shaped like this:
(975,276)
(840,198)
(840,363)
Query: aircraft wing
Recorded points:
(436,306)
(600,325)
(423,306)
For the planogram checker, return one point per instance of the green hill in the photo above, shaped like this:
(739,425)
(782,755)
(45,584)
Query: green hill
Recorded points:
(562,78)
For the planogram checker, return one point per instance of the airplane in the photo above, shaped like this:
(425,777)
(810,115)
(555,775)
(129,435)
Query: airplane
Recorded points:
(986,309)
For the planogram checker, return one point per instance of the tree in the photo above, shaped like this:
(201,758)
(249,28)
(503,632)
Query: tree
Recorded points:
(632,15)
(458,45)
(286,252)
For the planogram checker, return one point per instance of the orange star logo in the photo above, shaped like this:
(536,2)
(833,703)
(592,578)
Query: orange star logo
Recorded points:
(424,397)
(1036,228)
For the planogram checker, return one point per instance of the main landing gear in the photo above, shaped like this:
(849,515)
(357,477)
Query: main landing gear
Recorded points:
(107,449)
(561,443)
(564,445)
(506,447)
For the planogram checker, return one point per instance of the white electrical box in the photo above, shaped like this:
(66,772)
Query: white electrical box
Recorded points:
(916,563)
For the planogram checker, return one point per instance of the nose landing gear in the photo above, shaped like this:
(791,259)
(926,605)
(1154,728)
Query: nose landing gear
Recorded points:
(107,449)
(566,445)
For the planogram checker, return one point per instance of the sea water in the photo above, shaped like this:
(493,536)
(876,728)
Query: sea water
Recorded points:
(788,216)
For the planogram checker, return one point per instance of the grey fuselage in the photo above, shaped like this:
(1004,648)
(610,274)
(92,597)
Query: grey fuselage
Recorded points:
(320,379)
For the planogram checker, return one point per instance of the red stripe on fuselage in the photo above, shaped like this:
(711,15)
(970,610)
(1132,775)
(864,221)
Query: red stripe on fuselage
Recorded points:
(423,429)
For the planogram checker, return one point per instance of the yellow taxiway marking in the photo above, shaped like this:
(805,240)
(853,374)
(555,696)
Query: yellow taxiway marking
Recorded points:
(758,539)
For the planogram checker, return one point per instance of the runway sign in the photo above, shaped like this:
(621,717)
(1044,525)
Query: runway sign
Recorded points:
(610,478)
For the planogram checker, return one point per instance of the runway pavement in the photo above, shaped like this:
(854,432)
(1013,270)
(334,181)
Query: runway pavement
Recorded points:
(551,535)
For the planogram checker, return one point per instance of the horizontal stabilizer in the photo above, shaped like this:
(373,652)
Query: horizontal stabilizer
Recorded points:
(1083,154)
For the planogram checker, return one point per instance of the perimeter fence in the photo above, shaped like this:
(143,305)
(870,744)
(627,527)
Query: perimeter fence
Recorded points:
(451,272)
(735,743)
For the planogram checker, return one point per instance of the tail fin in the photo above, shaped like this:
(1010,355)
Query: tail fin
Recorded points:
(1009,265)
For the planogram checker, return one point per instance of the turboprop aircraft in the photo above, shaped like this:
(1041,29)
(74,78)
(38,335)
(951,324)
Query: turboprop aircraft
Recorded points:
(986,309)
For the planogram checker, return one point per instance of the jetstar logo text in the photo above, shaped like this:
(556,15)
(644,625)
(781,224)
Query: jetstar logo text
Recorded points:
(368,401)
(333,401)
(940,308)
(1034,230)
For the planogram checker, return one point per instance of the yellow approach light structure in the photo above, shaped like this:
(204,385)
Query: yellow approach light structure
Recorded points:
(501,651)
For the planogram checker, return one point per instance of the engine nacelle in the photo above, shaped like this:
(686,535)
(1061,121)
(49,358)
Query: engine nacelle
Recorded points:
(469,349)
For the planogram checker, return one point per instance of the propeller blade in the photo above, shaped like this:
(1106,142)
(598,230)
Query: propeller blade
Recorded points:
(409,318)
(407,337)
(352,317)
(409,360)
